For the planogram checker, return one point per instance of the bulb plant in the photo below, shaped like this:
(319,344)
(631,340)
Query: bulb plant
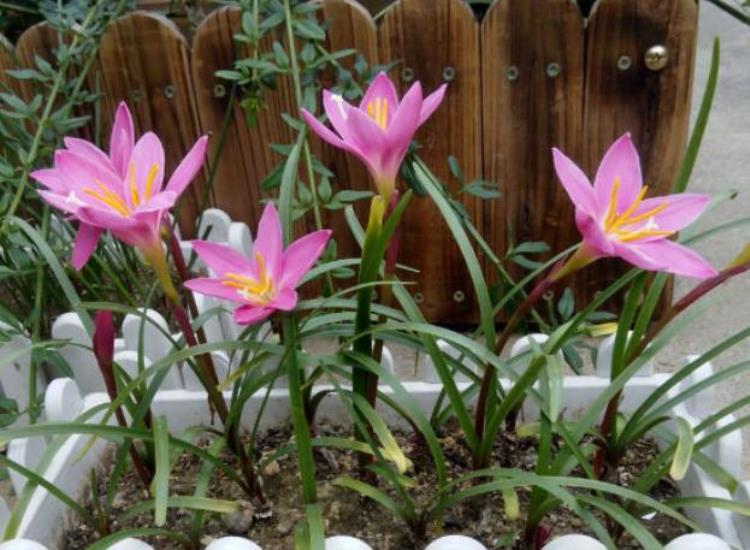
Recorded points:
(121,201)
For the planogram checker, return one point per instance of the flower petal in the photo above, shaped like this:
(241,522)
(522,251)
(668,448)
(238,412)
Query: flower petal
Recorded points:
(431,103)
(66,203)
(189,167)
(88,149)
(592,233)
(269,241)
(666,255)
(681,210)
(84,244)
(122,139)
(403,127)
(145,170)
(621,163)
(576,183)
(299,257)
(323,132)
(80,172)
(221,258)
(246,315)
(161,201)
(214,287)
(285,300)
(338,111)
(51,179)
(381,88)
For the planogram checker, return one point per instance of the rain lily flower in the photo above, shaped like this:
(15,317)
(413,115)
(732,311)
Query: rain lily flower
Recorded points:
(616,219)
(266,282)
(380,130)
(121,191)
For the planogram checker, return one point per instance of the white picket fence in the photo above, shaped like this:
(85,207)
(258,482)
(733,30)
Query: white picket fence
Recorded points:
(183,402)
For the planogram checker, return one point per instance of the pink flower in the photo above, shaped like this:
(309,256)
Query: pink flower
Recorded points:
(121,192)
(265,283)
(616,219)
(380,130)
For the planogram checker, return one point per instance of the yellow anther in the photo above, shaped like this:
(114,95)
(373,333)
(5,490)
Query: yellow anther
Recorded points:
(150,180)
(108,197)
(133,189)
(257,292)
(614,222)
(378,111)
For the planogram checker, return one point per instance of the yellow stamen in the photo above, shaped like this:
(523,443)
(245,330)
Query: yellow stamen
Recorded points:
(108,197)
(257,292)
(378,111)
(614,222)
(622,218)
(627,236)
(612,208)
(150,180)
(133,188)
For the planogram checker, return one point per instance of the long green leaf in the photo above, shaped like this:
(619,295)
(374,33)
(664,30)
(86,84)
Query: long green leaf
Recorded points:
(163,467)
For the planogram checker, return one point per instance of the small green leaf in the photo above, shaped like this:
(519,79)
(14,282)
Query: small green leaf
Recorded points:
(684,450)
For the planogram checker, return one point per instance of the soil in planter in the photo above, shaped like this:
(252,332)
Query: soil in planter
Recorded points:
(348,514)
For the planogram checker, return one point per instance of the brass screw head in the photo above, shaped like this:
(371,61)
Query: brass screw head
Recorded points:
(656,57)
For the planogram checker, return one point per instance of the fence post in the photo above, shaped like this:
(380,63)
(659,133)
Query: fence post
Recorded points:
(438,42)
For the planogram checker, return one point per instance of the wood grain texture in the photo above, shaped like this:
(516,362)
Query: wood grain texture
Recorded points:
(350,26)
(427,38)
(246,156)
(144,61)
(654,106)
(528,110)
(42,40)
(6,63)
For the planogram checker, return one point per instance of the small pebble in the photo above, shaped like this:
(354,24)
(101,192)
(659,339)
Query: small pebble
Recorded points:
(239,522)
(272,468)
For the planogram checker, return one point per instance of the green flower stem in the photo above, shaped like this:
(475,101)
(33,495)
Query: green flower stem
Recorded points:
(363,379)
(206,372)
(302,435)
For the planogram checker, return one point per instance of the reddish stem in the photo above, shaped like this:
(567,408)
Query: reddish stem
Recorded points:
(610,414)
(104,345)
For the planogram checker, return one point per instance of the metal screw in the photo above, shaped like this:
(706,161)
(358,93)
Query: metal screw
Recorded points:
(549,295)
(656,57)
(136,95)
(624,63)
(459,296)
(418,297)
(512,73)
(553,69)
(407,74)
(170,91)
(449,73)
(220,91)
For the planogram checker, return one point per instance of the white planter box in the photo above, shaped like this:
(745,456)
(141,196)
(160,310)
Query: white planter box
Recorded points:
(185,408)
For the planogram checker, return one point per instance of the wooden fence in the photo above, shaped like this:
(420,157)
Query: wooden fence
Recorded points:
(530,75)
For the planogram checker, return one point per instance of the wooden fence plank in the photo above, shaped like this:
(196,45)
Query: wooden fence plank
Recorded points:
(246,157)
(144,60)
(38,40)
(532,77)
(6,63)
(436,41)
(653,105)
(350,26)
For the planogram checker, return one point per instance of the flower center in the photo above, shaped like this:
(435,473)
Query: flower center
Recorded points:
(105,195)
(378,111)
(257,292)
(113,200)
(621,226)
(134,197)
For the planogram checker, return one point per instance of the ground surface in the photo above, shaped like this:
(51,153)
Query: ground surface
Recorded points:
(723,163)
